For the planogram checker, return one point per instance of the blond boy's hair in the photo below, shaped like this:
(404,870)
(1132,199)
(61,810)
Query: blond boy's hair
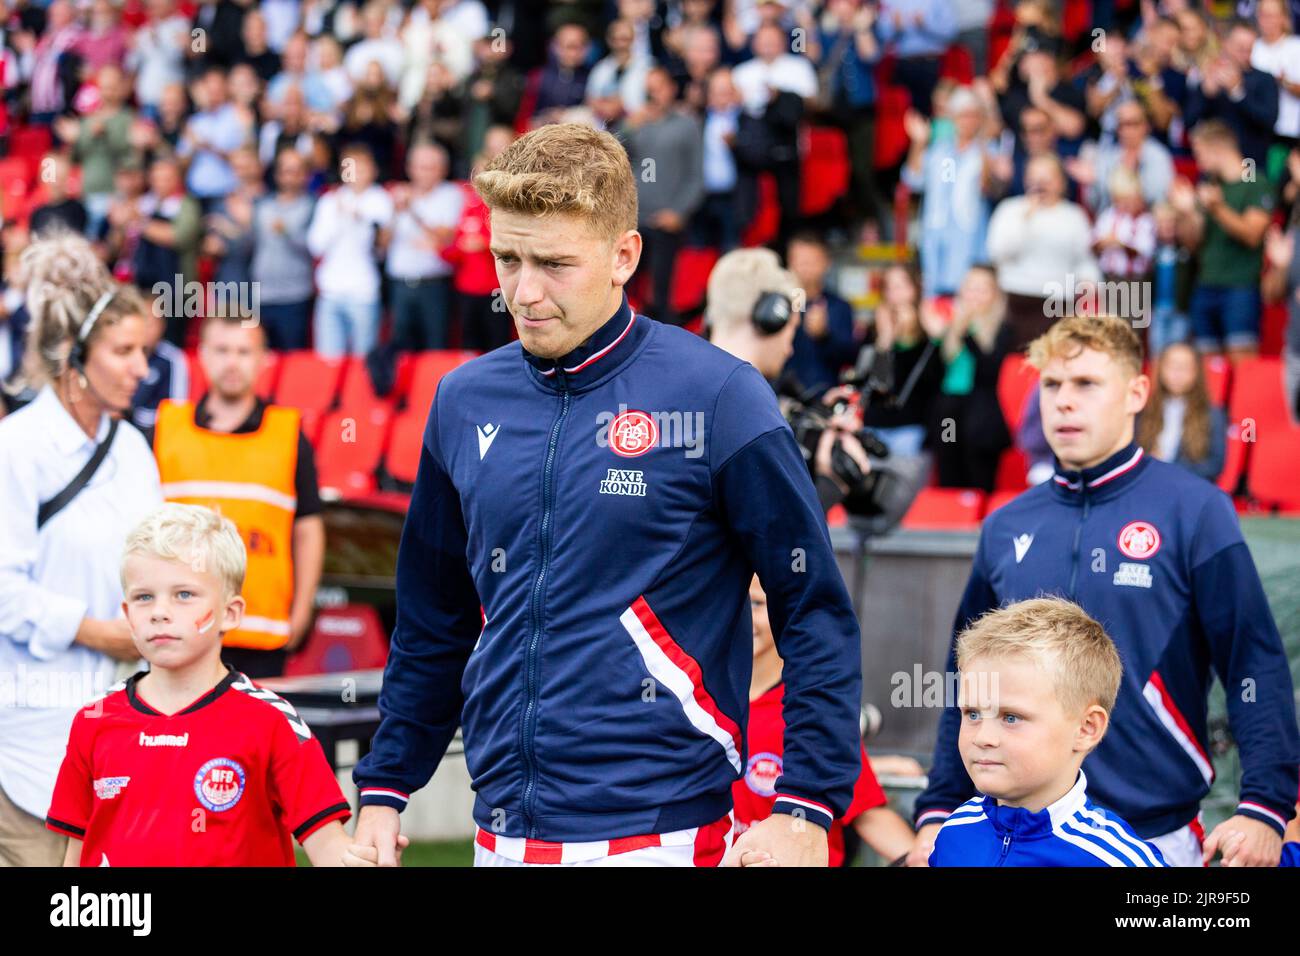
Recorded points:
(1103,333)
(564,169)
(193,535)
(1057,635)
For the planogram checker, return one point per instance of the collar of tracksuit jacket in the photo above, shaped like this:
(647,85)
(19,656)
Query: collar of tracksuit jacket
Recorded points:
(610,348)
(1106,480)
(1021,824)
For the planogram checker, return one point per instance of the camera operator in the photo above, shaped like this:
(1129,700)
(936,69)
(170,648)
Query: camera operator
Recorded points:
(750,313)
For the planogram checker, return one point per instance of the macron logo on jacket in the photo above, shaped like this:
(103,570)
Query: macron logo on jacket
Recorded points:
(487,434)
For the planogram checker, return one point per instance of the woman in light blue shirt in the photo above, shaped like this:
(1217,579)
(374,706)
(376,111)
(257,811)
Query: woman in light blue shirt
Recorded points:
(61,626)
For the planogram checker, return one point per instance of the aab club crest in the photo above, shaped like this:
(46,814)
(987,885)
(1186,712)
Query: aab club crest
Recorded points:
(1139,540)
(219,784)
(632,434)
(762,772)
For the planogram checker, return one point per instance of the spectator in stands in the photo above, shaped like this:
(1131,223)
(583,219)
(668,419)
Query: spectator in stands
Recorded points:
(53,79)
(435,33)
(371,116)
(616,86)
(911,336)
(949,172)
(168,225)
(665,146)
(1179,423)
(845,51)
(288,130)
(158,50)
(282,262)
(1109,83)
(1224,219)
(562,82)
(105,40)
(918,33)
(1162,88)
(438,116)
(333,74)
(318,94)
(60,211)
(427,212)
(169,118)
(701,57)
(826,341)
(100,142)
(230,238)
(970,433)
(211,135)
(1229,89)
(255,51)
(1038,82)
(1134,149)
(250,461)
(222,24)
(1277,53)
(1124,234)
(1041,244)
(491,96)
(485,322)
(973,18)
(245,88)
(377,46)
(118,234)
(1198,46)
(1173,268)
(715,222)
(168,376)
(1004,174)
(61,626)
(346,227)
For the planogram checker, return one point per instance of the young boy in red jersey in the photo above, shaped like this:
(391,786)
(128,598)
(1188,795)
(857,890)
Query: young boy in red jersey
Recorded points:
(189,763)
(754,793)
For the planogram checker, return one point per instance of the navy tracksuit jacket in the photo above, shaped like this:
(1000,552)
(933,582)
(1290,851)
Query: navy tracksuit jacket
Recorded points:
(1156,555)
(607,511)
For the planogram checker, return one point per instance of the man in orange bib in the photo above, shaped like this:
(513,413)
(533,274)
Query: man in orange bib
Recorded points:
(249,460)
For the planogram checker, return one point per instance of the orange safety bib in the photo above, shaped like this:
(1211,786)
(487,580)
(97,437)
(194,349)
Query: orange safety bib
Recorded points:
(248,478)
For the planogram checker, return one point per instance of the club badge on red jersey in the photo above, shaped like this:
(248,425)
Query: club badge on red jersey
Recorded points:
(632,434)
(762,772)
(219,784)
(1139,540)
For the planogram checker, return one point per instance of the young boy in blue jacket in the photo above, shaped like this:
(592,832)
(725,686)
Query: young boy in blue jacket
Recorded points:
(1038,682)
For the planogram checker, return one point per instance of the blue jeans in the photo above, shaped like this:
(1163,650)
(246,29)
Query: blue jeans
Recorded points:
(1225,316)
(903,441)
(420,311)
(286,324)
(1168,327)
(343,326)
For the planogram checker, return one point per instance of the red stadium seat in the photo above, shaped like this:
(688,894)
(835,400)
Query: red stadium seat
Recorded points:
(308,381)
(346,638)
(957,64)
(691,278)
(891,138)
(945,508)
(1258,409)
(359,392)
(427,370)
(403,457)
(1257,393)
(1013,466)
(31,144)
(1234,460)
(998,499)
(1016,379)
(1218,374)
(767,217)
(824,177)
(350,448)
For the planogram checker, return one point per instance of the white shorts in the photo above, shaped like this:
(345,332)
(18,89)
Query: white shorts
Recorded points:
(1182,847)
(697,846)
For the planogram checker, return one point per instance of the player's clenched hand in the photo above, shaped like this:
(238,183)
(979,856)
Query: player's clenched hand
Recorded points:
(356,855)
(780,840)
(919,855)
(1244,841)
(379,828)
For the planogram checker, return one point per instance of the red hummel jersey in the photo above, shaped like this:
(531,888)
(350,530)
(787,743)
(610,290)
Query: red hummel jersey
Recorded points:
(755,792)
(223,782)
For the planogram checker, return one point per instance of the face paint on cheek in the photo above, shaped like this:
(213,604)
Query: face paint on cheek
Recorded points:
(204,624)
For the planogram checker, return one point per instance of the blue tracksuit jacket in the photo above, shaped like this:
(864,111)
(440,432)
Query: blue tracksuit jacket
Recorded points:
(1156,555)
(607,512)
(1073,831)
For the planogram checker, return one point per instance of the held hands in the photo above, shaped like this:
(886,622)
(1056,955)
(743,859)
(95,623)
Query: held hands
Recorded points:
(780,840)
(1243,841)
(378,840)
(923,845)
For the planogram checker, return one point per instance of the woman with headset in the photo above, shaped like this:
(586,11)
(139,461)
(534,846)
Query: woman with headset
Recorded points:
(72,483)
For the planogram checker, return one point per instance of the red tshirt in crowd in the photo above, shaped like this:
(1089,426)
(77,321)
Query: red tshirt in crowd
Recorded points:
(223,782)
(755,792)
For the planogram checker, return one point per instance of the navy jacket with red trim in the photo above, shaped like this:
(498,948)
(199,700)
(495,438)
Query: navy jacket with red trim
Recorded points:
(607,512)
(1156,555)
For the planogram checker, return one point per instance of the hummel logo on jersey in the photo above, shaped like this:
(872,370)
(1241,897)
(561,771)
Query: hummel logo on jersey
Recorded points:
(486,435)
(1022,544)
(164,740)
